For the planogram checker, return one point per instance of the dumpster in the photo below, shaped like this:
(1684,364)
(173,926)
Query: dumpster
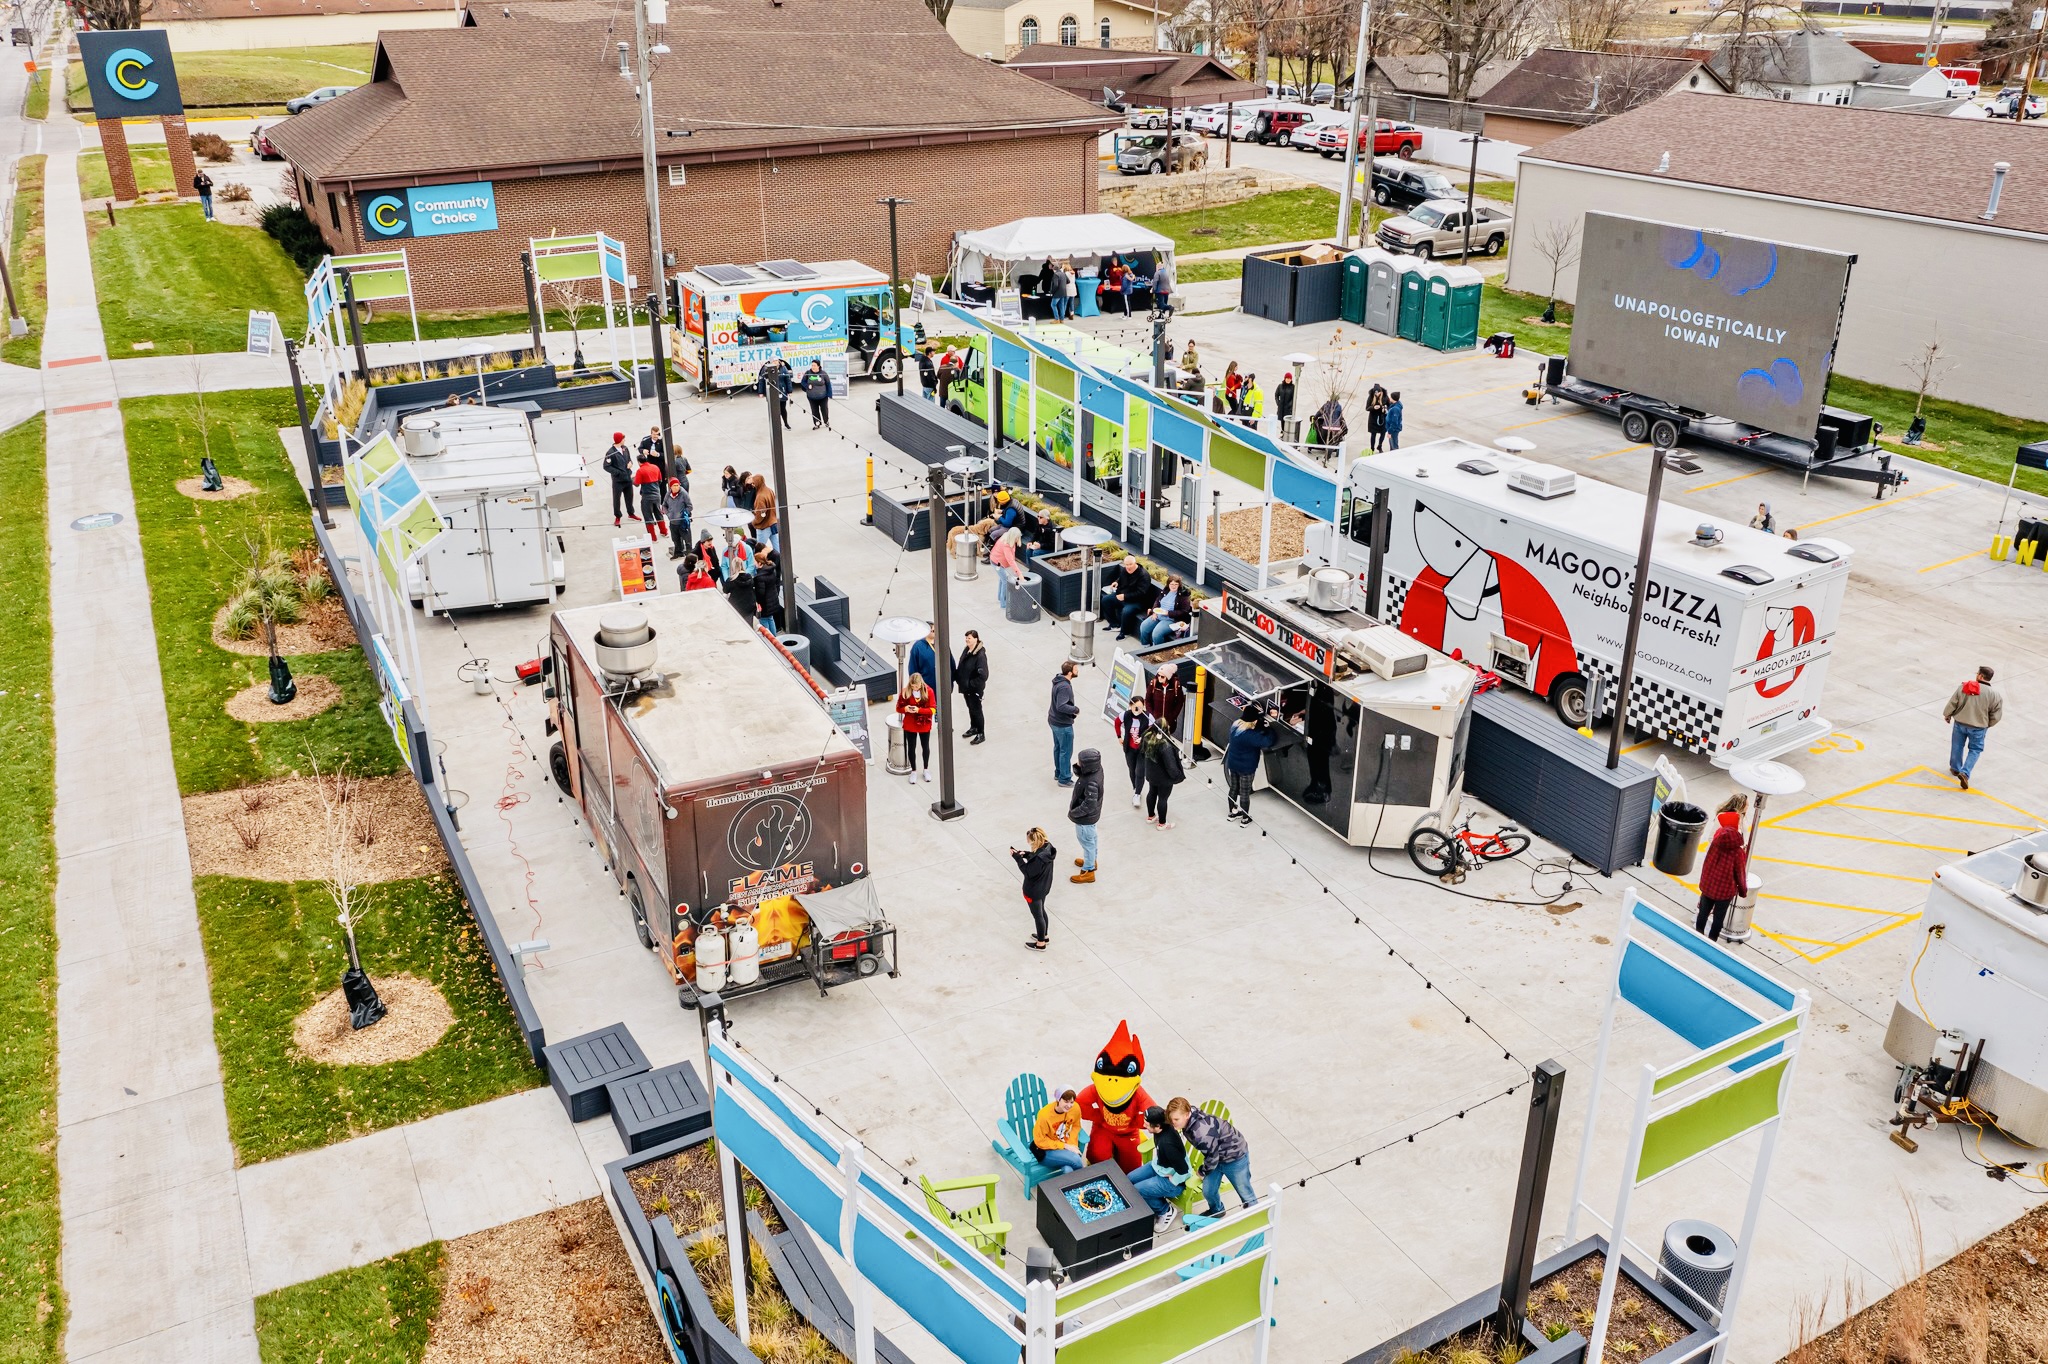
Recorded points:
(1466,286)
(1297,285)
(1351,305)
(1677,843)
(1383,294)
(1436,311)
(1414,289)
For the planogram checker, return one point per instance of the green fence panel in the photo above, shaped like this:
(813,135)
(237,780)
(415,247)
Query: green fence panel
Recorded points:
(1229,1302)
(1108,1285)
(1057,380)
(559,266)
(1721,1056)
(1241,462)
(1683,1133)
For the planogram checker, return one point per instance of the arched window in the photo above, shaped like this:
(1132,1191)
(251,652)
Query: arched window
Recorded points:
(1105,33)
(1027,32)
(1070,32)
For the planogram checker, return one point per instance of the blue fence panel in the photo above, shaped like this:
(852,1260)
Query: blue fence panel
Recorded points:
(780,1171)
(1101,399)
(1177,433)
(1698,1014)
(1009,358)
(1307,490)
(933,1302)
(1715,955)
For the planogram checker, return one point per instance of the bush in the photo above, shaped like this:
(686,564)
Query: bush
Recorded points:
(295,232)
(235,194)
(212,146)
(277,215)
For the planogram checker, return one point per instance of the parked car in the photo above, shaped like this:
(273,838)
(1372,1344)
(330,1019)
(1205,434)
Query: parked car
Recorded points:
(320,96)
(1389,139)
(260,145)
(1403,184)
(1437,228)
(1276,123)
(1275,90)
(1322,92)
(1147,155)
(2002,103)
(1304,138)
(1207,120)
(1144,116)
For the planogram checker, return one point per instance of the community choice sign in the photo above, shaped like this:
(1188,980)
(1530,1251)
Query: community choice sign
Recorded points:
(430,211)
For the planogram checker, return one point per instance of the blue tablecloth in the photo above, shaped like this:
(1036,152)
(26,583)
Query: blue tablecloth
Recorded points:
(1086,283)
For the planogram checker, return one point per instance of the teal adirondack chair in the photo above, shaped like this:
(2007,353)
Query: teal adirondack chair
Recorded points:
(977,1223)
(1021,1102)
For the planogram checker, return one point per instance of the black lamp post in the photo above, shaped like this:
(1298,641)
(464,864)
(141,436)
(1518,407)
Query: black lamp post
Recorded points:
(1659,459)
(948,805)
(895,292)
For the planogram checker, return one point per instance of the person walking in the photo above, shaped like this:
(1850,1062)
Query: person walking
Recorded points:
(1162,289)
(1163,771)
(1225,1153)
(1248,738)
(1376,416)
(917,706)
(766,525)
(1060,716)
(618,463)
(818,391)
(927,374)
(924,658)
(1131,728)
(1763,520)
(970,675)
(647,479)
(1971,711)
(202,185)
(767,588)
(1393,422)
(1084,811)
(778,379)
(1036,864)
(1724,872)
(1002,557)
(676,509)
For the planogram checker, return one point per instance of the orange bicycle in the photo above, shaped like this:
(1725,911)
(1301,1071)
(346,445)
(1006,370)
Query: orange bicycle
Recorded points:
(1447,855)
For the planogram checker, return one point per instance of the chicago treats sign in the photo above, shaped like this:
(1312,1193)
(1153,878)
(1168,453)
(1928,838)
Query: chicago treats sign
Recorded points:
(430,211)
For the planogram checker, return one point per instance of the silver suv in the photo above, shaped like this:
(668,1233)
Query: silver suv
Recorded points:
(1147,155)
(1437,228)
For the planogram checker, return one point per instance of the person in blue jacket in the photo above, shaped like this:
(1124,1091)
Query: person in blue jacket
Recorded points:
(1250,736)
(924,660)
(1393,421)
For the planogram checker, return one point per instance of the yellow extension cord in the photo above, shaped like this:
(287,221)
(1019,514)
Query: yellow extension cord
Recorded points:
(1962,1110)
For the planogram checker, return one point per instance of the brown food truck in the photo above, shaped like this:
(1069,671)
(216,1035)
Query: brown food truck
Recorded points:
(729,806)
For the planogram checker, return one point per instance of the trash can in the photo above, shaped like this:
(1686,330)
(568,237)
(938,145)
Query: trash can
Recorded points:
(1735,926)
(966,556)
(899,754)
(1697,1257)
(799,647)
(1026,600)
(1678,837)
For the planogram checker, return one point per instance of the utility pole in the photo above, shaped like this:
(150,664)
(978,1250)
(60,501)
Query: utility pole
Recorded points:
(2019,112)
(1935,23)
(783,508)
(1471,190)
(896,293)
(647,12)
(1351,145)
(948,805)
(655,314)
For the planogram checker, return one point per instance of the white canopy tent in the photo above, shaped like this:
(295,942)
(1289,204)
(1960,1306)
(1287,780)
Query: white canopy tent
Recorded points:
(1020,248)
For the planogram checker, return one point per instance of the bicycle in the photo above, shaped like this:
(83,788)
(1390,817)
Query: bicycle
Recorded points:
(1447,855)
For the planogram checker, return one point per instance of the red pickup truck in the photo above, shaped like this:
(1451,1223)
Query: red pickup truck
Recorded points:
(1389,139)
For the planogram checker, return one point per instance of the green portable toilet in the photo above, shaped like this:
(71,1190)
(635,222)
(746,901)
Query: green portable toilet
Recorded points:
(1414,288)
(1466,286)
(1436,310)
(1351,306)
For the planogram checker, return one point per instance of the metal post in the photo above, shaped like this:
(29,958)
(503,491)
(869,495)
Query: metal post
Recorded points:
(355,324)
(1041,1311)
(947,806)
(1471,190)
(1158,351)
(17,325)
(533,318)
(316,491)
(1351,147)
(668,435)
(1376,559)
(1635,608)
(1150,488)
(1262,1333)
(1229,117)
(1539,1137)
(1617,1237)
(849,1228)
(895,295)
(1265,528)
(647,171)
(782,517)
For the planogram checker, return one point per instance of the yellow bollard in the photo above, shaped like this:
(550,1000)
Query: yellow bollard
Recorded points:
(869,519)
(2001,545)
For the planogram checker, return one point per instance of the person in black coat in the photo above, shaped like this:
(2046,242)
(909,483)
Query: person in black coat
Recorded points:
(1042,533)
(767,588)
(739,592)
(970,675)
(818,390)
(1037,868)
(1128,597)
(1084,811)
(619,463)
(1283,397)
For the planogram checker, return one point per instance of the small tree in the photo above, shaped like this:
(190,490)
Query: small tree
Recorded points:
(1926,367)
(1557,241)
(349,835)
(572,297)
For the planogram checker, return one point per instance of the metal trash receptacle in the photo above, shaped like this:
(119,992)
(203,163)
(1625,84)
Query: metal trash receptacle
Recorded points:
(1025,604)
(1697,1260)
(899,753)
(1677,844)
(799,647)
(966,556)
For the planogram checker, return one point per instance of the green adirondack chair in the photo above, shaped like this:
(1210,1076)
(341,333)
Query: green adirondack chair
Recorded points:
(977,1223)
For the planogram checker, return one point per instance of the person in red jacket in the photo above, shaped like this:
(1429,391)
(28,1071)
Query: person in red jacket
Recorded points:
(647,479)
(917,706)
(1724,874)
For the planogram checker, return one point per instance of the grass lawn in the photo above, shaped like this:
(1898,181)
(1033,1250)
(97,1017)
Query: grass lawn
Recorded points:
(378,1313)
(38,95)
(439,326)
(194,552)
(1502,191)
(274,947)
(1975,440)
(152,172)
(31,1300)
(1503,311)
(168,276)
(269,76)
(1294,215)
(1196,271)
(28,265)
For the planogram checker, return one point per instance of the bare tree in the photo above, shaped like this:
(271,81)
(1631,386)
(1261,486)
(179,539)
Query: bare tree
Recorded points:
(1754,51)
(1466,34)
(349,834)
(942,10)
(1927,367)
(573,298)
(111,14)
(1557,242)
(1621,82)
(1591,25)
(2010,40)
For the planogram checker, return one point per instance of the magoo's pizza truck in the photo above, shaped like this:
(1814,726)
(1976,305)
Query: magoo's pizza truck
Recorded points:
(722,796)
(1526,569)
(736,318)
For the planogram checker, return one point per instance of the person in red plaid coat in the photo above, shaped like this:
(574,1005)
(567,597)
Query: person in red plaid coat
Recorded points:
(1725,872)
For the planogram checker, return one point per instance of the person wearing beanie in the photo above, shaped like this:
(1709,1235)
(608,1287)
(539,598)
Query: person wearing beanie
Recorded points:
(1971,711)
(647,478)
(1724,874)
(618,463)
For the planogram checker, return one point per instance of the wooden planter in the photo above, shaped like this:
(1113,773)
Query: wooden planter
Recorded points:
(910,518)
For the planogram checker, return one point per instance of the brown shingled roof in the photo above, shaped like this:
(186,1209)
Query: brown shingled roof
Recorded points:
(1938,168)
(540,90)
(1568,85)
(189,11)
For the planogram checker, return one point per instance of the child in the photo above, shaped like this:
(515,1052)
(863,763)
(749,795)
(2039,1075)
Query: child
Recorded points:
(1393,422)
(1056,1133)
(1037,868)
(1160,1181)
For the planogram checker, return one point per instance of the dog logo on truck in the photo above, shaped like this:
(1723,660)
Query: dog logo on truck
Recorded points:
(1466,594)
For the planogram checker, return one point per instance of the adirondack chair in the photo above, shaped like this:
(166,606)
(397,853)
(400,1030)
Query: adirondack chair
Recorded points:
(1021,1102)
(976,1223)
(1209,1262)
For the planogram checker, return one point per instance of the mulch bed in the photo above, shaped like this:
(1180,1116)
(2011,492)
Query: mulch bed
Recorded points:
(324,628)
(416,1018)
(1241,532)
(316,693)
(1639,1327)
(278,831)
(230,489)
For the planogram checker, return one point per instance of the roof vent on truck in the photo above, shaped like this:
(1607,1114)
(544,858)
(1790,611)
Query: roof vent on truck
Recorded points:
(626,648)
(1543,480)
(1813,551)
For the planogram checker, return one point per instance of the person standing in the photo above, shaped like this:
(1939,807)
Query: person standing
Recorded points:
(1163,772)
(676,508)
(1376,416)
(1056,1133)
(1393,422)
(652,446)
(1003,558)
(618,463)
(1283,398)
(818,391)
(924,658)
(1037,868)
(1233,385)
(917,706)
(970,675)
(1972,710)
(1060,716)
(1084,811)
(1254,399)
(707,557)
(731,486)
(927,373)
(1126,285)
(1056,290)
(1724,872)
(202,185)
(767,523)
(1070,289)
(1131,729)
(647,478)
(1248,739)
(1225,1153)
(1763,520)
(776,376)
(767,588)
(695,576)
(1162,289)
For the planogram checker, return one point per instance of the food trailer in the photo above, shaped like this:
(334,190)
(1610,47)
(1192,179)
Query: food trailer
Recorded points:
(736,318)
(723,798)
(502,493)
(1371,725)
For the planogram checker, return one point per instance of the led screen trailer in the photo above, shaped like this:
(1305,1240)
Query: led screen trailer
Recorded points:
(1734,326)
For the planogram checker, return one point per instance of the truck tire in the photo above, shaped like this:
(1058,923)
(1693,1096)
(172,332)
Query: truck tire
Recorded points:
(1426,250)
(640,924)
(887,366)
(1664,433)
(558,766)
(1568,699)
(1380,196)
(1406,150)
(1494,244)
(1634,426)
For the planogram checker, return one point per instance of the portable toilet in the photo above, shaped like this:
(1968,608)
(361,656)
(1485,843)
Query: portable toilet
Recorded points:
(1466,287)
(1351,304)
(1414,278)
(1383,293)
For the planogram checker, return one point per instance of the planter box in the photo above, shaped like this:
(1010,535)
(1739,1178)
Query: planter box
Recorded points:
(617,1178)
(1064,578)
(908,518)
(390,402)
(658,1107)
(581,1067)
(390,376)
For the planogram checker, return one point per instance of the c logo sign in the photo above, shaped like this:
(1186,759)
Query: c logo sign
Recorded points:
(128,74)
(386,215)
(817,311)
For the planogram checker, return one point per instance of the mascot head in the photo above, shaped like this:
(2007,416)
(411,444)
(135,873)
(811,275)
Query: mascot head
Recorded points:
(1119,1068)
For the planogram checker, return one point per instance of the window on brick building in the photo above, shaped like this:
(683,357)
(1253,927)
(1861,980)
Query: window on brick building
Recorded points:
(1027,32)
(334,210)
(1070,32)
(1105,33)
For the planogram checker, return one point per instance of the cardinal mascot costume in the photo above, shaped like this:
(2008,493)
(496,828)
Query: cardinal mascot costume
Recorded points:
(1114,1105)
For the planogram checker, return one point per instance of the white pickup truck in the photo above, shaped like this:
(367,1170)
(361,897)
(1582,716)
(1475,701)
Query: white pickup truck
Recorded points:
(1437,228)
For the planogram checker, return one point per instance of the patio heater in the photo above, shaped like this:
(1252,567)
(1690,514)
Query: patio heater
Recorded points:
(1082,624)
(477,350)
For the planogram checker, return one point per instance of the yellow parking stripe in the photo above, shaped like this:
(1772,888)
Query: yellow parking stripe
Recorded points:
(1772,822)
(1853,871)
(1836,949)
(1474,393)
(1975,553)
(1922,814)
(1865,838)
(1878,506)
(1702,487)
(1624,450)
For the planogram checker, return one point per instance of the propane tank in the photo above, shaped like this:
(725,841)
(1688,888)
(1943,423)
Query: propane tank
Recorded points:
(745,953)
(711,958)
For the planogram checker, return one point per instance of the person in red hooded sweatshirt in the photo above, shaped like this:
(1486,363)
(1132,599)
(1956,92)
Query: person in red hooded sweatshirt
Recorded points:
(1725,872)
(647,479)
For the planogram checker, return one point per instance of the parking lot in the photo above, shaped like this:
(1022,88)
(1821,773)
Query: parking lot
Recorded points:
(1323,995)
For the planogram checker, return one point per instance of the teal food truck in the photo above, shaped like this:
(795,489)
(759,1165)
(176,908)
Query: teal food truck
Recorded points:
(736,318)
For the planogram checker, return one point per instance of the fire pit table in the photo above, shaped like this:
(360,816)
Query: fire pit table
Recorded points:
(1092,1217)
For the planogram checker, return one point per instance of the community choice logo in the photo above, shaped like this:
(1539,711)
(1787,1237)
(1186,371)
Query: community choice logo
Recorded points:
(431,211)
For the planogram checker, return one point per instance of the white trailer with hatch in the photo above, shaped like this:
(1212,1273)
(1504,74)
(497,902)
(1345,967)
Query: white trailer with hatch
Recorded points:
(1526,569)
(500,487)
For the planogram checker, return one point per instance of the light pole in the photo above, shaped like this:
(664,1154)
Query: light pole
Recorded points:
(1351,147)
(895,292)
(1658,460)
(647,12)
(947,806)
(783,510)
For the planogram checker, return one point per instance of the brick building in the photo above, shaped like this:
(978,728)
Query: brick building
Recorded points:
(467,142)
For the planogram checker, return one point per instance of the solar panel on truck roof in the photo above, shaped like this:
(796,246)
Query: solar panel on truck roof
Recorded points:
(726,274)
(789,269)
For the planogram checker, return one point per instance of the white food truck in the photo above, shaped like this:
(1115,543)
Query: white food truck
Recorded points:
(500,485)
(1526,569)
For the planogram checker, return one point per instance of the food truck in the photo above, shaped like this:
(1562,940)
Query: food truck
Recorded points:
(1371,726)
(1526,569)
(721,795)
(501,491)
(736,318)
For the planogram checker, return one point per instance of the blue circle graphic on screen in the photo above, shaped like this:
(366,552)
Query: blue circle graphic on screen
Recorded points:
(1780,382)
(1739,266)
(128,74)
(1748,266)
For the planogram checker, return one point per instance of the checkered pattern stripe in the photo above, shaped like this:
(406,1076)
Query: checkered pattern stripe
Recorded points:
(1393,591)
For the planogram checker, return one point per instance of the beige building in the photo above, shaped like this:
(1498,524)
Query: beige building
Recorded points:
(999,30)
(1909,196)
(241,25)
